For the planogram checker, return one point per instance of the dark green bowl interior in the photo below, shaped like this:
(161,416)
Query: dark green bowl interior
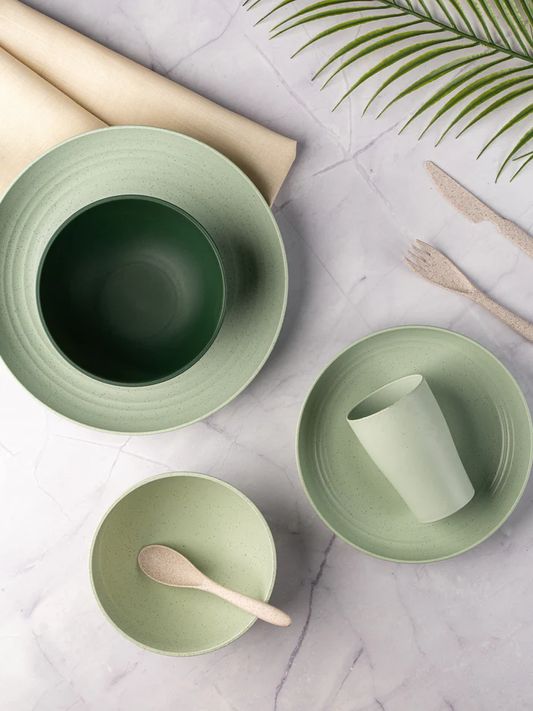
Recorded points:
(131,290)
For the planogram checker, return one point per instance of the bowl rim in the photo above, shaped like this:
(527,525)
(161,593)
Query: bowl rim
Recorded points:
(300,427)
(214,249)
(195,475)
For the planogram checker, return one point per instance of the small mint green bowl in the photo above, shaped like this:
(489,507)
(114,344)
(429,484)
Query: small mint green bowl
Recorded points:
(212,523)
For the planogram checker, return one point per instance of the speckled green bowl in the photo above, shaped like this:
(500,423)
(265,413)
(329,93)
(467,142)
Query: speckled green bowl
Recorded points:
(138,160)
(487,415)
(218,528)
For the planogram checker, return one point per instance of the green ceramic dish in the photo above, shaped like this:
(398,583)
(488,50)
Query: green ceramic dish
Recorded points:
(132,290)
(199,180)
(210,522)
(488,418)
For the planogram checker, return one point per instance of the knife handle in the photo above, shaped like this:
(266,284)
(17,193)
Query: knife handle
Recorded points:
(513,233)
(519,324)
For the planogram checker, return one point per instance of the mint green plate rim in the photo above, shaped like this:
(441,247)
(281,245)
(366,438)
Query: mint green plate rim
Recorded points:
(282,291)
(214,480)
(511,380)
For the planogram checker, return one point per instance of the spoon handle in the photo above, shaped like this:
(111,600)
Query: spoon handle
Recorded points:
(259,609)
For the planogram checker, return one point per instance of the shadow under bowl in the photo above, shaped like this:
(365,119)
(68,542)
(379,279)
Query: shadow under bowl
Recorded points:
(132,290)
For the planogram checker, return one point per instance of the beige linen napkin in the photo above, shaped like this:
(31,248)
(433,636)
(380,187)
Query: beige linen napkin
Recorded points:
(55,83)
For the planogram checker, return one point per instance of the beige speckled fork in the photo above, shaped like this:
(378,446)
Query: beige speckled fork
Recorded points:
(433,266)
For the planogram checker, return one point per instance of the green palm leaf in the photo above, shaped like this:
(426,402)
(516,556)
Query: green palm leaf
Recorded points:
(414,64)
(358,41)
(426,31)
(524,155)
(497,104)
(318,6)
(516,119)
(385,42)
(344,26)
(526,138)
(480,17)
(453,85)
(528,161)
(431,77)
(469,89)
(270,12)
(481,98)
(328,13)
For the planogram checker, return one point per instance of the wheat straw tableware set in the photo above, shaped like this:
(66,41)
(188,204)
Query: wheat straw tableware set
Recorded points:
(144,283)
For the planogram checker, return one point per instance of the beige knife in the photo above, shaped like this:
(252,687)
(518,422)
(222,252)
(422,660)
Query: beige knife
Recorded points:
(476,211)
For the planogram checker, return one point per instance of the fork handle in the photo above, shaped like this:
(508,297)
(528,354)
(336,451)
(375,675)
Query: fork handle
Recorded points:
(516,235)
(520,325)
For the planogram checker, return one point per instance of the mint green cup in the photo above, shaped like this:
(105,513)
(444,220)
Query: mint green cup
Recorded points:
(402,428)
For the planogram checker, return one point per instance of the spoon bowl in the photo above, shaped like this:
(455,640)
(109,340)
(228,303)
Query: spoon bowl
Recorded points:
(168,567)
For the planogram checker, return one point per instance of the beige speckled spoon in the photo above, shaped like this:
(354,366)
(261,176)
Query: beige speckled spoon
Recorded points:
(167,566)
(433,266)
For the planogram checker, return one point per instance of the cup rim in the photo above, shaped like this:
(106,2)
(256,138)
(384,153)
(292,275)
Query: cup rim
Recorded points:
(420,380)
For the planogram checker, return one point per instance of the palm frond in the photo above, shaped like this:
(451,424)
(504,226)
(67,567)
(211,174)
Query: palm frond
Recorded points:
(481,99)
(368,37)
(431,77)
(526,138)
(527,162)
(527,111)
(385,42)
(496,105)
(493,40)
(524,155)
(345,26)
(469,89)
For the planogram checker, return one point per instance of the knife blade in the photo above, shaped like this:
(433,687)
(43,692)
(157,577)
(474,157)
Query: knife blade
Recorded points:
(475,210)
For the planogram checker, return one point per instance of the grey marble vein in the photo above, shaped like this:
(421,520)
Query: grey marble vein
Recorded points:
(301,638)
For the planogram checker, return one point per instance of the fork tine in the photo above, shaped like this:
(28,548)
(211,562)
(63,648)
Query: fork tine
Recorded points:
(428,248)
(420,251)
(417,258)
(415,267)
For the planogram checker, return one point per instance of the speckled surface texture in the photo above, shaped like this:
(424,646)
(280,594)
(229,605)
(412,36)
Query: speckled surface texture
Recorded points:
(488,419)
(211,523)
(168,567)
(436,268)
(367,634)
(476,211)
(184,172)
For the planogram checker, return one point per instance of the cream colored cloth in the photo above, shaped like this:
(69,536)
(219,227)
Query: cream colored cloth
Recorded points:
(55,83)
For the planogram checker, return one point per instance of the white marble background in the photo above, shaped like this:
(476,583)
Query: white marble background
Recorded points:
(366,634)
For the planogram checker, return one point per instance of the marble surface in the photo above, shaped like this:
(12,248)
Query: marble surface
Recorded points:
(366,634)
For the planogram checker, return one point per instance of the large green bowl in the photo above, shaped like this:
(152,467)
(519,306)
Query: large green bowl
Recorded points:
(210,522)
(132,290)
(168,166)
(488,417)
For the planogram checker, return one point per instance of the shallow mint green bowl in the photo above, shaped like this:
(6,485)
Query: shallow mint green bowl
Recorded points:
(212,523)
(488,418)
